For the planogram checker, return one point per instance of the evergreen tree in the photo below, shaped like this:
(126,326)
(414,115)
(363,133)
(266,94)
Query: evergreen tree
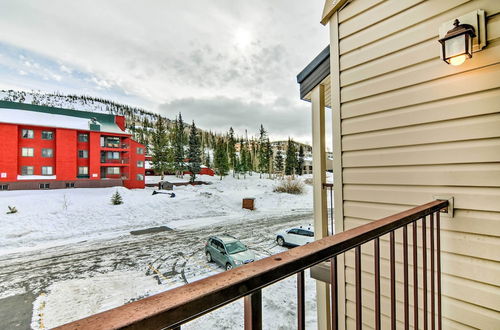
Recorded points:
(300,160)
(291,158)
(263,154)
(269,156)
(178,142)
(116,199)
(220,158)
(161,156)
(207,160)
(194,153)
(278,161)
(231,150)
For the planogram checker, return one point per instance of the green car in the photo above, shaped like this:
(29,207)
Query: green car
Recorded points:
(227,251)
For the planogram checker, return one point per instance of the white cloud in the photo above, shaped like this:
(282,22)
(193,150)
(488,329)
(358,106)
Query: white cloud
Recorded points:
(163,51)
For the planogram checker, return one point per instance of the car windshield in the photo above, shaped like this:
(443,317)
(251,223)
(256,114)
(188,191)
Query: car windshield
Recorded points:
(235,247)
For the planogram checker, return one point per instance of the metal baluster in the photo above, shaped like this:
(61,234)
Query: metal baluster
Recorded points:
(405,276)
(424,266)
(433,307)
(438,257)
(334,292)
(253,311)
(415,277)
(377,284)
(301,311)
(359,303)
(393,280)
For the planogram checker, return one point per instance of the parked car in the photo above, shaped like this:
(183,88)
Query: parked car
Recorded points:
(295,236)
(228,251)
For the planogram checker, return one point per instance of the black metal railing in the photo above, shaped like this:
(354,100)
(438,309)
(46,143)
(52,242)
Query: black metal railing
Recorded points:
(175,307)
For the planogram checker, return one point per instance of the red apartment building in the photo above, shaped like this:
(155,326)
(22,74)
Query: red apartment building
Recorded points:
(48,148)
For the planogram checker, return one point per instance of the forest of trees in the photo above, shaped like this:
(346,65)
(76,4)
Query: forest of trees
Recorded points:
(176,147)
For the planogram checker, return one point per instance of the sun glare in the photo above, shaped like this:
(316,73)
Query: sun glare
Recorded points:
(242,38)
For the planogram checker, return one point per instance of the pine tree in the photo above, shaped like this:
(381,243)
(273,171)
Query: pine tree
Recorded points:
(242,162)
(263,154)
(116,199)
(160,150)
(220,158)
(178,142)
(300,160)
(269,157)
(194,153)
(278,161)
(291,158)
(207,160)
(231,150)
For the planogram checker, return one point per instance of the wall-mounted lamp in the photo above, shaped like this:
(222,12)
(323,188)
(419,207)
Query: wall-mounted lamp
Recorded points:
(456,45)
(462,36)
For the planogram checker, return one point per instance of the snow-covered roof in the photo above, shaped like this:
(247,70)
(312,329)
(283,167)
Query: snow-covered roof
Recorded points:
(34,118)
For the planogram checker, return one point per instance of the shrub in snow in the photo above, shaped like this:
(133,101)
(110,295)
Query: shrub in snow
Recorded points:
(12,209)
(116,199)
(290,186)
(308,181)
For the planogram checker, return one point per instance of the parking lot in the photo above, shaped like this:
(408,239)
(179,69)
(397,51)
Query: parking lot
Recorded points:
(171,258)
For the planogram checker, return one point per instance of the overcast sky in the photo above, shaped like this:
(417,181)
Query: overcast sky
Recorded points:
(221,63)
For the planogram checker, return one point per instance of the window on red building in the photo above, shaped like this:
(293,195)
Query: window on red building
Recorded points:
(83,170)
(113,170)
(47,135)
(28,134)
(27,152)
(140,150)
(83,154)
(27,170)
(47,153)
(140,163)
(47,170)
(113,155)
(140,177)
(83,137)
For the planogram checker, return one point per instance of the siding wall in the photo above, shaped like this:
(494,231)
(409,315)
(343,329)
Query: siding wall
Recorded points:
(411,128)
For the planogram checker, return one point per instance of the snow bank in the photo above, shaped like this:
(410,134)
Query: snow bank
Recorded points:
(52,217)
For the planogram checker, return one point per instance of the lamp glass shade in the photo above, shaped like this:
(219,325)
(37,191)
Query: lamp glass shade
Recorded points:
(455,46)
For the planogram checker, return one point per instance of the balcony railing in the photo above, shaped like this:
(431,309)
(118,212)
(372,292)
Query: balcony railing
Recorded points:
(114,161)
(175,307)
(115,145)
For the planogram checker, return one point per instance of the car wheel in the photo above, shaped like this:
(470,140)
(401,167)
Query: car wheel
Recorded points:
(209,257)
(229,266)
(280,241)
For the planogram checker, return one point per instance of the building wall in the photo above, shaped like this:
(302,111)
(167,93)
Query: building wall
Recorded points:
(133,181)
(8,152)
(65,160)
(411,127)
(37,143)
(66,154)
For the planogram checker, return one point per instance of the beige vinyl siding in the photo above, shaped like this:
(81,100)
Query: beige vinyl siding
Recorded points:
(412,128)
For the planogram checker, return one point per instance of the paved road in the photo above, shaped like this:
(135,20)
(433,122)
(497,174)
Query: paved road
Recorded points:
(171,257)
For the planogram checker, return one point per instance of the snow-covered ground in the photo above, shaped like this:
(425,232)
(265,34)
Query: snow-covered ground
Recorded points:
(52,217)
(109,267)
(107,291)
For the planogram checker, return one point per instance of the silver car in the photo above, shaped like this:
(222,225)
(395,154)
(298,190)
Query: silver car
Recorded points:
(227,251)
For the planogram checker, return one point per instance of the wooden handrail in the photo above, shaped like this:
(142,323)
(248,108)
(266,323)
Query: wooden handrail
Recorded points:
(180,305)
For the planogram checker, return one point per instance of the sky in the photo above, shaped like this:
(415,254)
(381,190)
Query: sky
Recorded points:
(220,63)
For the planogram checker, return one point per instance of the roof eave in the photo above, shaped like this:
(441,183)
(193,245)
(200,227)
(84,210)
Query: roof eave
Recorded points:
(330,8)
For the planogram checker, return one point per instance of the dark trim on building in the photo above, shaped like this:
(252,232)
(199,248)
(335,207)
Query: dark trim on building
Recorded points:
(54,184)
(101,117)
(314,73)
